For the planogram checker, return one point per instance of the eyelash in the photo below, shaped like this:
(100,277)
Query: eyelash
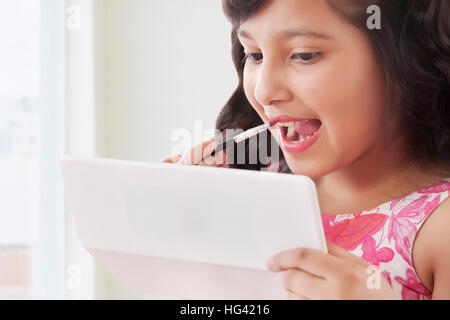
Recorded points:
(249,56)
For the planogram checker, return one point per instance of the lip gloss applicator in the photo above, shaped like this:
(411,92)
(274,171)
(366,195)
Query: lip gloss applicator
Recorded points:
(244,136)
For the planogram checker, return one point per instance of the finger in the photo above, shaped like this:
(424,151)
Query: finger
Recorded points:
(293,296)
(310,260)
(209,147)
(198,152)
(339,252)
(173,159)
(302,283)
(218,159)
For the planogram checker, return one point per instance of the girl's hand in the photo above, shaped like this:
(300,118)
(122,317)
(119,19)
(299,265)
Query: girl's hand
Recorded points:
(201,155)
(338,274)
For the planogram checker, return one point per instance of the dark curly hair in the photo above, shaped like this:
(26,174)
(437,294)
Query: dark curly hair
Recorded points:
(413,45)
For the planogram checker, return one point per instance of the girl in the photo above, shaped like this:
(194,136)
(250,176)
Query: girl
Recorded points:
(369,114)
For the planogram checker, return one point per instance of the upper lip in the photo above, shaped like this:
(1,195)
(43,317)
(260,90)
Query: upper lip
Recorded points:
(284,118)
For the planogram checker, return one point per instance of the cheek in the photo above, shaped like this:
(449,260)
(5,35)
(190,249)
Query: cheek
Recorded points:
(249,86)
(348,95)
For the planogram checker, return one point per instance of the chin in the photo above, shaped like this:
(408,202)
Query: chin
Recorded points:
(310,169)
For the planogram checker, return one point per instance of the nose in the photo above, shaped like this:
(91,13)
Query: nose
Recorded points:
(271,86)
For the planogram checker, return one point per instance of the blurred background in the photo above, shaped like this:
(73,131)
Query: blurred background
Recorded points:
(100,78)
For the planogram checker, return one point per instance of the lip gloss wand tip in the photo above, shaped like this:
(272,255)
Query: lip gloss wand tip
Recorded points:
(273,122)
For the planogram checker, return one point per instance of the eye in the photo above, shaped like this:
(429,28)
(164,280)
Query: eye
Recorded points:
(253,57)
(306,57)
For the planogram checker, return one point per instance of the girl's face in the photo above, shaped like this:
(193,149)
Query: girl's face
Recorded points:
(306,62)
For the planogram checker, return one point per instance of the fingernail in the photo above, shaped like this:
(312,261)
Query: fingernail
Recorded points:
(271,263)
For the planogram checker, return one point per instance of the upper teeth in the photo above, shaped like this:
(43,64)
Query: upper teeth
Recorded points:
(288,124)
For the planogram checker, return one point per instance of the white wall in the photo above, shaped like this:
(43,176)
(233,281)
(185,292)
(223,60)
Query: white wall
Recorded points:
(159,65)
(167,63)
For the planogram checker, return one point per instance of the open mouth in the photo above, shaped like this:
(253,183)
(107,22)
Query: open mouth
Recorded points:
(299,131)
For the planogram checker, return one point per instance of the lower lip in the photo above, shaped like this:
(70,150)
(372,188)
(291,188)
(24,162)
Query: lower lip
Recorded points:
(297,147)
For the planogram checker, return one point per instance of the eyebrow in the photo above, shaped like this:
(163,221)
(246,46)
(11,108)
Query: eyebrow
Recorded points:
(290,33)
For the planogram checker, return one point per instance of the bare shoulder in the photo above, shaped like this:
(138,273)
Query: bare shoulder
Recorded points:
(431,250)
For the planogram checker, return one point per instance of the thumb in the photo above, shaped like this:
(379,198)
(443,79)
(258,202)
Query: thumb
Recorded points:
(334,249)
(173,159)
(337,251)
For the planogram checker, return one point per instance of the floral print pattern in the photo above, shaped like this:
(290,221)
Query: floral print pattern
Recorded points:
(412,288)
(374,256)
(350,233)
(402,225)
(384,236)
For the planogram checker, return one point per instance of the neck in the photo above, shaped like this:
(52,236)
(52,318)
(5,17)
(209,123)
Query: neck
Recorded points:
(377,176)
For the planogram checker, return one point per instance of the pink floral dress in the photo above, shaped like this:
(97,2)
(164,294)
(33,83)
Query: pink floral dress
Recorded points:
(384,236)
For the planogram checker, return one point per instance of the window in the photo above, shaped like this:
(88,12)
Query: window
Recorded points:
(20,90)
(31,220)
